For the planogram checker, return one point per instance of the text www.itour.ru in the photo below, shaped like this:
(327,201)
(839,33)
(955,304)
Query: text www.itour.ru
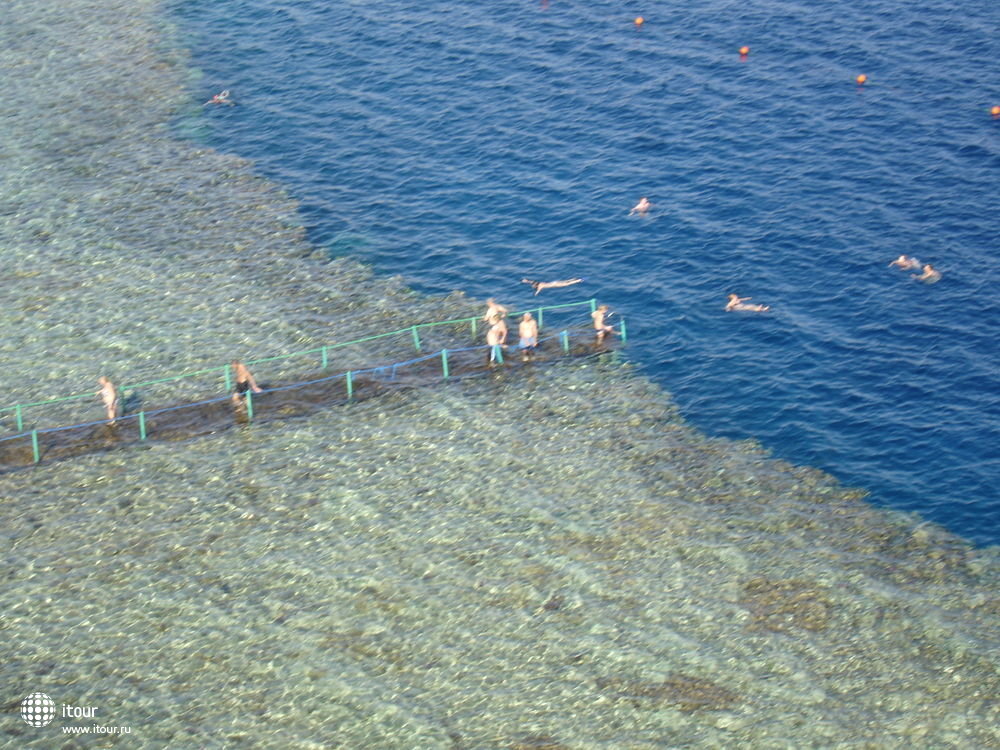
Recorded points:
(97,729)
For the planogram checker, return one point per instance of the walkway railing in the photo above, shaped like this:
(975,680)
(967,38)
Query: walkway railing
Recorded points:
(188,420)
(24,413)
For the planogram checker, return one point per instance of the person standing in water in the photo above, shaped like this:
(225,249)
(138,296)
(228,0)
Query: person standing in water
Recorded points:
(496,337)
(243,381)
(109,395)
(600,327)
(528,331)
(494,311)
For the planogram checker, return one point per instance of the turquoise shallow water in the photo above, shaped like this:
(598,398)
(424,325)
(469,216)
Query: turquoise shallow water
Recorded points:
(553,559)
(466,148)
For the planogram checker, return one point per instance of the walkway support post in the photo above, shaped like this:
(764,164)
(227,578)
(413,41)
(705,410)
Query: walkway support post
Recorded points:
(142,425)
(624,332)
(229,378)
(350,385)
(416,338)
(34,446)
(249,405)
(540,318)
(564,337)
(323,356)
(19,417)
(444,363)
(593,306)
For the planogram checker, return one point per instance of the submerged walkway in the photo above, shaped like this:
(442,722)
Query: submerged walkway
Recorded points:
(302,396)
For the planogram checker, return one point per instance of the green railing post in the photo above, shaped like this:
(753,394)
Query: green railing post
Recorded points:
(564,337)
(593,305)
(444,363)
(416,338)
(473,321)
(34,445)
(540,309)
(324,358)
(229,379)
(624,334)
(20,419)
(350,385)
(249,406)
(142,425)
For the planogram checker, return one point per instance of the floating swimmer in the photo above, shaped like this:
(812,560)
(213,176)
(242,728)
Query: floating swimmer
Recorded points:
(929,276)
(540,285)
(221,98)
(641,207)
(736,303)
(906,263)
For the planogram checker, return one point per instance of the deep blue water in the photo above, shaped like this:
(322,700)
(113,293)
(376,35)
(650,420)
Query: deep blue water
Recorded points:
(466,146)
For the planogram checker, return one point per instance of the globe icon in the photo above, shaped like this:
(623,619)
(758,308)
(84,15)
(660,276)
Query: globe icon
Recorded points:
(38,709)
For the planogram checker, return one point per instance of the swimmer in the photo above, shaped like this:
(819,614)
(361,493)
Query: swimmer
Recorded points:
(221,98)
(528,331)
(109,395)
(641,207)
(930,274)
(906,263)
(243,380)
(540,285)
(736,303)
(495,339)
(600,326)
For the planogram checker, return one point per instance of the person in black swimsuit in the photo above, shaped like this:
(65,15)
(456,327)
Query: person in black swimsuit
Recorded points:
(244,381)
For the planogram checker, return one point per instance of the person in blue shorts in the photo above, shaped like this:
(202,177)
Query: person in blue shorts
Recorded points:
(528,331)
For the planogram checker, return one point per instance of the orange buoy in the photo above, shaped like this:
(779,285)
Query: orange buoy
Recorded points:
(861,79)
(744,51)
(995,110)
(639,21)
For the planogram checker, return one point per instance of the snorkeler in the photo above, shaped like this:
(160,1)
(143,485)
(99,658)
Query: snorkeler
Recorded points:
(540,285)
(736,303)
(109,395)
(221,98)
(243,380)
(930,274)
(906,263)
(641,207)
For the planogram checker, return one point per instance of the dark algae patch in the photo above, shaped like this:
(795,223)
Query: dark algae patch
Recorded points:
(684,692)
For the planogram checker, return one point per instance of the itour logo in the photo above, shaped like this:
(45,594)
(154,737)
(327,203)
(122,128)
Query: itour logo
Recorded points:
(38,709)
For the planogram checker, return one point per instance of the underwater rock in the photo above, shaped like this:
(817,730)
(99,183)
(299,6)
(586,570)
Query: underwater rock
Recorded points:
(780,606)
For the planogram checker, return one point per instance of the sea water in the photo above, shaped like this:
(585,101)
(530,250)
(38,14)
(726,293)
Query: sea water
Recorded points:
(469,147)
(542,558)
